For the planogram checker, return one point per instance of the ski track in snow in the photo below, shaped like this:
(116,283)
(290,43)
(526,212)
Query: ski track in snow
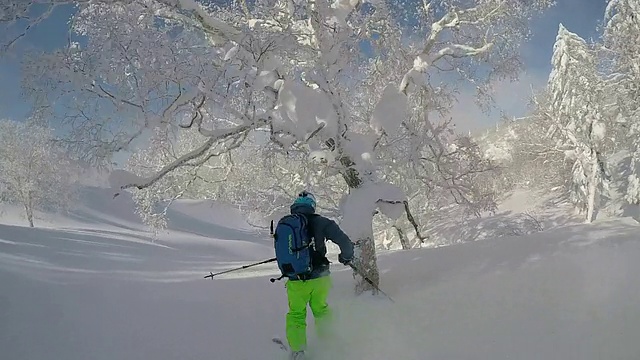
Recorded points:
(78,291)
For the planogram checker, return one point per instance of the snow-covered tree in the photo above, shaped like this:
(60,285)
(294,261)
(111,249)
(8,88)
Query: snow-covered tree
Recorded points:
(328,80)
(535,162)
(622,39)
(576,111)
(34,171)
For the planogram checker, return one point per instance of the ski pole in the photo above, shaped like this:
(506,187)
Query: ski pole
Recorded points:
(211,275)
(369,281)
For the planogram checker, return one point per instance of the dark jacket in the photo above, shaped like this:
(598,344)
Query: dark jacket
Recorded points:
(323,229)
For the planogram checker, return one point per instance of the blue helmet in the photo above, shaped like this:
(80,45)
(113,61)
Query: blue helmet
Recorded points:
(306,198)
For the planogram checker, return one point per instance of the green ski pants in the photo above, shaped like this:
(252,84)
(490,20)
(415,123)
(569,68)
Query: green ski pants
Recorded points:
(313,292)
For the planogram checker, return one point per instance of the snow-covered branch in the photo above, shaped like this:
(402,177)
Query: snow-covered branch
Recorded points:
(214,136)
(10,15)
(472,32)
(461,51)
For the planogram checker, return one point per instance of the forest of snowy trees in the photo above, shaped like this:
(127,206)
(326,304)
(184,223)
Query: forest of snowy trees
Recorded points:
(587,114)
(248,103)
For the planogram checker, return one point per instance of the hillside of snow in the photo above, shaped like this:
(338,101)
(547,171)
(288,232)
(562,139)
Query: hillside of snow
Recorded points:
(529,206)
(92,285)
(219,229)
(521,212)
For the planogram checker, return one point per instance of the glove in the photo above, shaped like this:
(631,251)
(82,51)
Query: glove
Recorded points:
(343,260)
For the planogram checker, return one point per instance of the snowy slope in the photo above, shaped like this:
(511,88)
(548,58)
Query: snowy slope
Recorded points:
(84,292)
(521,212)
(199,225)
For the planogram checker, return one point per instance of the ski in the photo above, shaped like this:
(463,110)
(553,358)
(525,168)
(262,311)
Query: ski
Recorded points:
(280,343)
(285,348)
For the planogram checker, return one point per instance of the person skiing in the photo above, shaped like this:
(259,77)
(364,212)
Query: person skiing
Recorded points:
(310,287)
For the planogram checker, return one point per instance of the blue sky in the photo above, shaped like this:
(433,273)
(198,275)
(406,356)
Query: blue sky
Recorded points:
(579,16)
(49,35)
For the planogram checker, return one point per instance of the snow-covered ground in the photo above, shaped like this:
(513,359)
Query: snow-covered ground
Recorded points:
(91,285)
(523,211)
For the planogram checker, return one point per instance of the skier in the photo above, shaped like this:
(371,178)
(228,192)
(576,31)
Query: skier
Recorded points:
(311,288)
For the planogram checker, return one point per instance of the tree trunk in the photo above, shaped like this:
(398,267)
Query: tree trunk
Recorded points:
(367,265)
(29,211)
(404,241)
(592,187)
(414,223)
(365,258)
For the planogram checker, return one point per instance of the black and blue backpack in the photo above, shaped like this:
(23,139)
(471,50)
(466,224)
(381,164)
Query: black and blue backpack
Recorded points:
(293,246)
